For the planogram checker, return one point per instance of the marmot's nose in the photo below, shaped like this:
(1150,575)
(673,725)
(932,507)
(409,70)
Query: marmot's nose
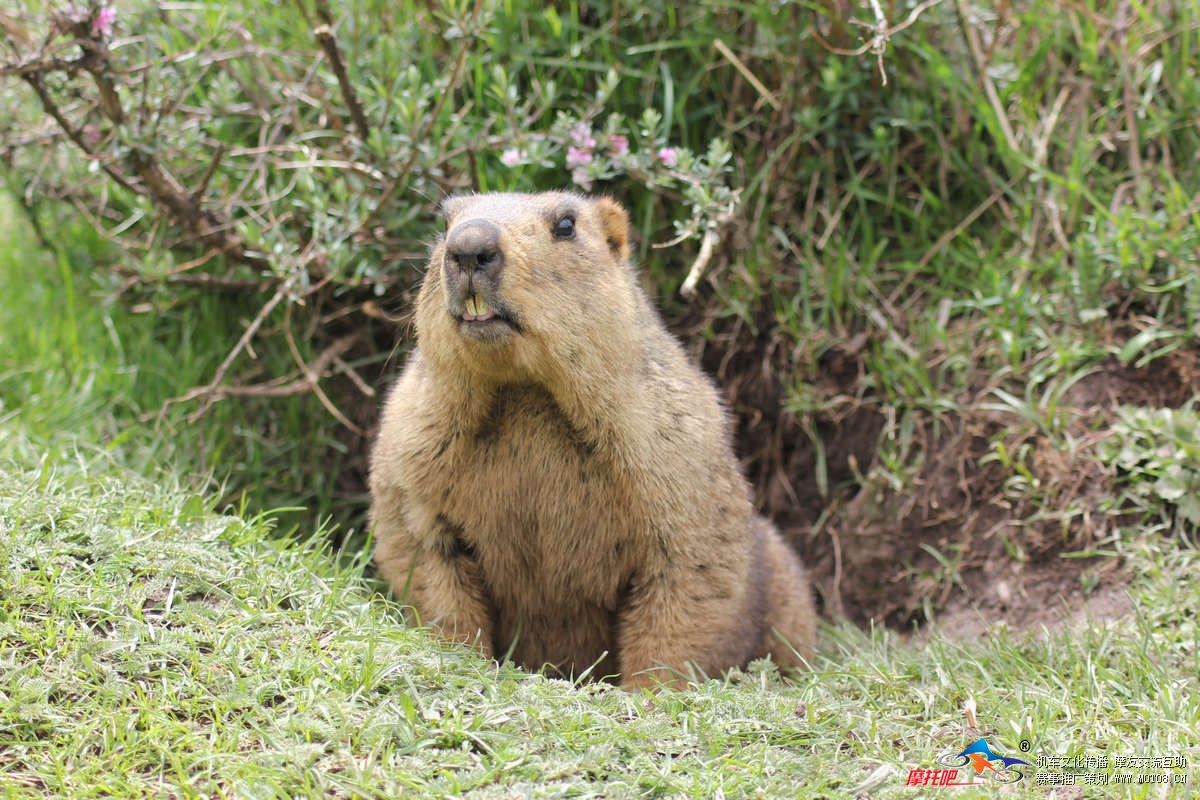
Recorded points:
(475,247)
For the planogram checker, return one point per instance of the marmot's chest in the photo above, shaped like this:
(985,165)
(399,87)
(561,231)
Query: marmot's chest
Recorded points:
(546,515)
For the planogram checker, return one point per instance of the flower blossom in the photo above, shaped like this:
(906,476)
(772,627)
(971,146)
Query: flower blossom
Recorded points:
(618,146)
(102,25)
(578,157)
(513,156)
(668,156)
(581,178)
(581,135)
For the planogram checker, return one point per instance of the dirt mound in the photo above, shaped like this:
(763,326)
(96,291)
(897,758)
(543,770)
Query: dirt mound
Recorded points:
(978,515)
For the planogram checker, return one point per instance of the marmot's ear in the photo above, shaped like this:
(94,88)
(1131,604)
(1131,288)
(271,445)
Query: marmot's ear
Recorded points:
(452,204)
(615,221)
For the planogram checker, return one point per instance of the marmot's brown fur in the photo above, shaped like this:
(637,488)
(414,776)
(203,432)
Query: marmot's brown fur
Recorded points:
(554,480)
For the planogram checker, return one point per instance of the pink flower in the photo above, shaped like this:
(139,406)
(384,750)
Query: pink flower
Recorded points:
(577,157)
(581,134)
(668,156)
(618,145)
(581,178)
(102,25)
(512,157)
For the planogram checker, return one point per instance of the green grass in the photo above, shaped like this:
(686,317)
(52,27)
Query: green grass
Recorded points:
(150,647)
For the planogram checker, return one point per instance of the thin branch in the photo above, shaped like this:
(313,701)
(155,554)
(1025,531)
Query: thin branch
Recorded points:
(312,373)
(50,107)
(355,378)
(212,391)
(200,279)
(44,66)
(218,156)
(285,388)
(333,53)
(100,70)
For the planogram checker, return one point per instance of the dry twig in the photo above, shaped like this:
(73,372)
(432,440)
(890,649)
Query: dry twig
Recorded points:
(214,390)
(312,372)
(881,34)
(712,236)
(989,86)
(753,80)
(329,44)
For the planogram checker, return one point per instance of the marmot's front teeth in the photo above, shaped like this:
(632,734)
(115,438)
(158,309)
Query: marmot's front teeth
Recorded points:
(477,308)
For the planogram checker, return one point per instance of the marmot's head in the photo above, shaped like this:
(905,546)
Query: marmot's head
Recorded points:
(518,278)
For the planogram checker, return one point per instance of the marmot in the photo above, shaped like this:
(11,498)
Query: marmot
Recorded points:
(554,481)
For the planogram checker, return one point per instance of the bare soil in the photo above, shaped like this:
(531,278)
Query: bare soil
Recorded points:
(959,544)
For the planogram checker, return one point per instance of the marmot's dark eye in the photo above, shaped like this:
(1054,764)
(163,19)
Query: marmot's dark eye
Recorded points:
(564,228)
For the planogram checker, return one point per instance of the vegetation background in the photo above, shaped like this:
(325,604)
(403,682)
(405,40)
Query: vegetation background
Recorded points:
(942,258)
